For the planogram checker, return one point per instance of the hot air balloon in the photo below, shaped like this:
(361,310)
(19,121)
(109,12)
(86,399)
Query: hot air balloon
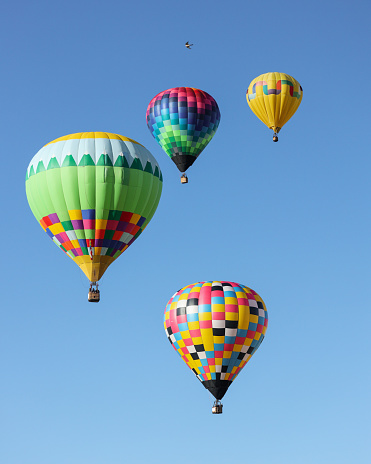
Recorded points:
(274,97)
(216,327)
(183,120)
(93,193)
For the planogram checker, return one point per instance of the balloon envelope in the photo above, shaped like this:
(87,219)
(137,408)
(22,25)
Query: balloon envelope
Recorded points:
(183,120)
(216,327)
(274,97)
(93,193)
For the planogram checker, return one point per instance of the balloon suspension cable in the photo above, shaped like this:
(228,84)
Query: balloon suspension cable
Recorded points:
(217,407)
(94,293)
(184,178)
(275,137)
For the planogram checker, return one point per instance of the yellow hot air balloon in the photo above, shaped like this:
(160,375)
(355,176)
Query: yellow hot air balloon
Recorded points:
(274,97)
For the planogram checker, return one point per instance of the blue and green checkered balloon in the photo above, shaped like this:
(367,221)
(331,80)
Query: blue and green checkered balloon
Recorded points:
(183,120)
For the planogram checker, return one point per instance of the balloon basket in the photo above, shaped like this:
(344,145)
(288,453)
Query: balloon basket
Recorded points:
(275,138)
(217,407)
(94,293)
(184,179)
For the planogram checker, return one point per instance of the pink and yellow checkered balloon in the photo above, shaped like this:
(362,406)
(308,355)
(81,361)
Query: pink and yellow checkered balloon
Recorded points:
(216,327)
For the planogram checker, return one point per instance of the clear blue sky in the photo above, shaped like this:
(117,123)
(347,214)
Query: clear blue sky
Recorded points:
(97,384)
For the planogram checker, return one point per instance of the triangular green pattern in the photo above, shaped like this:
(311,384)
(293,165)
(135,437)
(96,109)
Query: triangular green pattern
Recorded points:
(86,160)
(69,161)
(156,173)
(137,164)
(161,178)
(104,160)
(121,162)
(148,168)
(26,175)
(32,172)
(53,163)
(126,164)
(40,167)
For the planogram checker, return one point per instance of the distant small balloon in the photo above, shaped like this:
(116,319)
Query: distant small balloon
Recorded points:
(274,98)
(183,120)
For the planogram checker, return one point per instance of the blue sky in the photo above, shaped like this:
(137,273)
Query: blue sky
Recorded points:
(98,384)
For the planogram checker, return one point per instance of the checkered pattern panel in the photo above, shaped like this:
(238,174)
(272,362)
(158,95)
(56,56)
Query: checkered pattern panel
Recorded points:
(110,236)
(183,120)
(215,327)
